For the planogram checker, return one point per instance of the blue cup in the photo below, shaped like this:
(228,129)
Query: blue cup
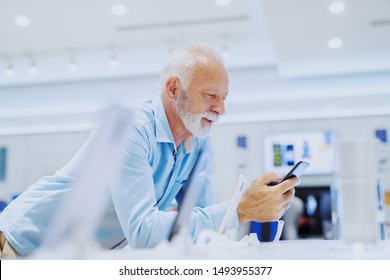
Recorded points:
(267,231)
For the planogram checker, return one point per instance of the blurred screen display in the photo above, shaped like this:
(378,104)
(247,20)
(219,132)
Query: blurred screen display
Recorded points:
(283,150)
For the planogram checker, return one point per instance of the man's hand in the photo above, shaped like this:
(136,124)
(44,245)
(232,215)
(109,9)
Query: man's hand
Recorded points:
(263,203)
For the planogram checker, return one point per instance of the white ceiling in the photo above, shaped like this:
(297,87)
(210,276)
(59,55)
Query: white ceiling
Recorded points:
(88,25)
(88,31)
(280,65)
(301,29)
(289,34)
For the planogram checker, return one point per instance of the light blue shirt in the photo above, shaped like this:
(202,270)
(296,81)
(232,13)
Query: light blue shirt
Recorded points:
(151,178)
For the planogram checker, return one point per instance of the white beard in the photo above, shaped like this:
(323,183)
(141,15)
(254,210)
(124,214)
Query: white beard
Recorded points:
(193,122)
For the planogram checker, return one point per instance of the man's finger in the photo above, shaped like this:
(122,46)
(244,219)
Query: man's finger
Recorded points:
(288,184)
(269,177)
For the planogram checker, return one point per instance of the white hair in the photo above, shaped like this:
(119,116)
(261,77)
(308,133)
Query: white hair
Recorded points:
(182,61)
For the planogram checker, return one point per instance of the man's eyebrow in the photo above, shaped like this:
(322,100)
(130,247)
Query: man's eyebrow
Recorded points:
(214,90)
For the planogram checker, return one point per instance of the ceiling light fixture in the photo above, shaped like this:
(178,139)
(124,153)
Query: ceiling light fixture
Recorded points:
(335,43)
(33,69)
(225,52)
(22,21)
(222,2)
(337,7)
(114,62)
(72,66)
(9,72)
(226,55)
(119,10)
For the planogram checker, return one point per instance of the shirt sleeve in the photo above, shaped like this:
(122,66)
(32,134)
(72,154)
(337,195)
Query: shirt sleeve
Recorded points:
(134,198)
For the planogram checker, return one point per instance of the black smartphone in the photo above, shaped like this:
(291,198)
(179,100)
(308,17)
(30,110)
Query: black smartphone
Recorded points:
(296,171)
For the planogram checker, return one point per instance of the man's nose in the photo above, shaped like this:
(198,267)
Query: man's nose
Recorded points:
(219,106)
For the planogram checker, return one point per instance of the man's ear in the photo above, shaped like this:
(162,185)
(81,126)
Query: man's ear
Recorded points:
(172,87)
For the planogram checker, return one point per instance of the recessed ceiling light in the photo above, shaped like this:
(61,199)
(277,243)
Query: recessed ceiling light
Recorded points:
(337,7)
(119,10)
(222,2)
(335,43)
(22,21)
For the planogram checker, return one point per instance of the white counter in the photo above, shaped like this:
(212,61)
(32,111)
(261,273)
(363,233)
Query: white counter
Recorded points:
(281,250)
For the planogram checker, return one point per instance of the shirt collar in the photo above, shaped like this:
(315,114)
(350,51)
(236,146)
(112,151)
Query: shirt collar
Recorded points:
(163,131)
(188,144)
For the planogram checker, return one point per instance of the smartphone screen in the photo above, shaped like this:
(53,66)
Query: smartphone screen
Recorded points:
(296,171)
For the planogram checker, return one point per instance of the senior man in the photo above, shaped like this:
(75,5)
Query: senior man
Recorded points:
(167,134)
